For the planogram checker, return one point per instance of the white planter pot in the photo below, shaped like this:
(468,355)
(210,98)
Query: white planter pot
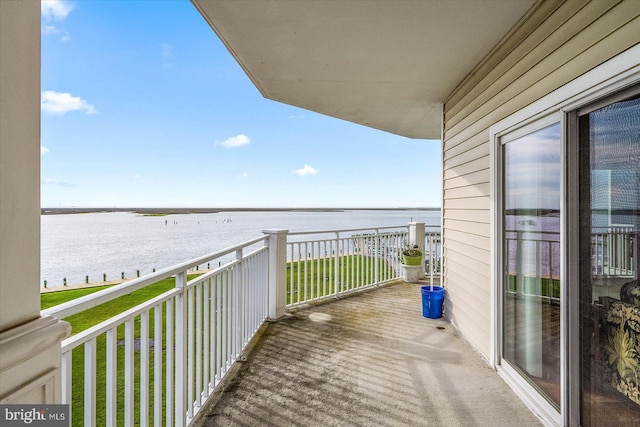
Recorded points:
(412,273)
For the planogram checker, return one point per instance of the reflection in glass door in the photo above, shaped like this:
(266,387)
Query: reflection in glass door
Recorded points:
(531,259)
(609,147)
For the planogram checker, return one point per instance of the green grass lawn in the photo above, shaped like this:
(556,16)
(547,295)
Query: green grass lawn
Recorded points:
(91,317)
(318,277)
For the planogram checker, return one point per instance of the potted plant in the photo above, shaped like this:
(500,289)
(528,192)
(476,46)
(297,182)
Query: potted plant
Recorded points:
(412,256)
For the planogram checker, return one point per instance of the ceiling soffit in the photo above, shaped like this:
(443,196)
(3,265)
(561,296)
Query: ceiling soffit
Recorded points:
(388,65)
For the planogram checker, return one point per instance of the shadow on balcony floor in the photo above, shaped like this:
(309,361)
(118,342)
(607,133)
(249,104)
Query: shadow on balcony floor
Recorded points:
(370,359)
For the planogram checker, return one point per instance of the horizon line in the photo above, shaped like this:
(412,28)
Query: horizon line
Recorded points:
(54,210)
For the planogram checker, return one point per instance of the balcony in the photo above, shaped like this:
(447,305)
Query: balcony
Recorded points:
(368,359)
(369,356)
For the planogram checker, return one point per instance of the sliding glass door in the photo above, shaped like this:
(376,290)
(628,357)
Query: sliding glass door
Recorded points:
(609,290)
(531,258)
(565,242)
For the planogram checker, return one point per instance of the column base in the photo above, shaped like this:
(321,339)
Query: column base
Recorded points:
(30,357)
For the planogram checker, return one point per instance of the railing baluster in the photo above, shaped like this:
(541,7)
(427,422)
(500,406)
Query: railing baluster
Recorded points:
(312,277)
(352,265)
(198,332)
(225,323)
(336,264)
(359,263)
(230,324)
(67,362)
(206,336)
(244,308)
(325,282)
(219,328)
(111,376)
(237,318)
(375,278)
(128,373)
(144,369)
(264,288)
(157,365)
(290,262)
(299,264)
(181,350)
(236,315)
(340,262)
(170,356)
(190,350)
(247,305)
(90,383)
(366,263)
(254,293)
(213,335)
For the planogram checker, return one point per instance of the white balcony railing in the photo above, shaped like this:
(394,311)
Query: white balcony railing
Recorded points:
(174,348)
(323,265)
(158,362)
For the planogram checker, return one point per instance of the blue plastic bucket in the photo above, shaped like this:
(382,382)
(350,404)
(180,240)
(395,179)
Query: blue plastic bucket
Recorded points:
(432,299)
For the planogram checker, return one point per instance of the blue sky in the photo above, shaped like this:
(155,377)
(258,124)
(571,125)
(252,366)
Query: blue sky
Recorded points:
(142,106)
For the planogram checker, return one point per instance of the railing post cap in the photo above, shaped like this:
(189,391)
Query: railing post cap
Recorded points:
(275,231)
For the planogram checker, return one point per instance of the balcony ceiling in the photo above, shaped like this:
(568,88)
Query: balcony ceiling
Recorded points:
(385,64)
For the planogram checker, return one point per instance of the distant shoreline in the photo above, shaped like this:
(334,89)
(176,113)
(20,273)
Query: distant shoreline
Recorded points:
(176,211)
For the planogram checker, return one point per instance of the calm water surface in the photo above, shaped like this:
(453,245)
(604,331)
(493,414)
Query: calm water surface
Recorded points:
(77,245)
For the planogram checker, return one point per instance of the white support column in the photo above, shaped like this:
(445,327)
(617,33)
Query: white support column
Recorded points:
(416,237)
(277,272)
(29,344)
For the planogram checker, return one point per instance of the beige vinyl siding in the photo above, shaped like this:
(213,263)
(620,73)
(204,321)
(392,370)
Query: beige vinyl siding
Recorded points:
(553,44)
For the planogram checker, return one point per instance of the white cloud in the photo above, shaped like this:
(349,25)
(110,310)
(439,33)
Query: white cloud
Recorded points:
(244,175)
(55,9)
(305,170)
(53,102)
(54,181)
(43,150)
(235,141)
(50,29)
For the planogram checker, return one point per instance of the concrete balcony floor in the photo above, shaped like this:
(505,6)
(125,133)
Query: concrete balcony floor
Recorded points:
(364,360)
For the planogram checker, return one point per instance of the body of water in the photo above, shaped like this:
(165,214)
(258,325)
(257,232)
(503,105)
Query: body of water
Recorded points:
(78,245)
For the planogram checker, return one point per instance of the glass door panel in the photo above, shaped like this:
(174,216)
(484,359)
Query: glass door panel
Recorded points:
(609,143)
(531,259)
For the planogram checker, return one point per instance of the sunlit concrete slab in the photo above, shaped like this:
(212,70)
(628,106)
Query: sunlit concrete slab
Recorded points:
(370,359)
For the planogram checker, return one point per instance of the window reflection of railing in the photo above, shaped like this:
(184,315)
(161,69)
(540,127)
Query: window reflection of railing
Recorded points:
(612,250)
(533,258)
(533,263)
